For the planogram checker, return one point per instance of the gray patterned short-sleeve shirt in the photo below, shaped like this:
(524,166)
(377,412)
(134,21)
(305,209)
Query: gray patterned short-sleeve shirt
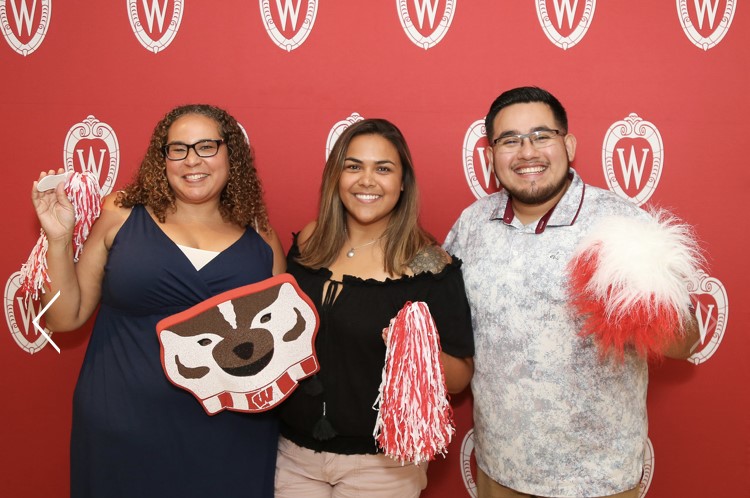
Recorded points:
(550,417)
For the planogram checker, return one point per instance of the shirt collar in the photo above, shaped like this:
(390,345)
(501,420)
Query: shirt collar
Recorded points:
(564,213)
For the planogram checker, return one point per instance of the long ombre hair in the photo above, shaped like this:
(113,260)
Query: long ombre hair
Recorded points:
(241,201)
(403,238)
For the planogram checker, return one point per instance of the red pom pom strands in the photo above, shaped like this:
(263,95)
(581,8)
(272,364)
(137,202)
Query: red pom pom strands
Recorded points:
(84,193)
(629,279)
(415,420)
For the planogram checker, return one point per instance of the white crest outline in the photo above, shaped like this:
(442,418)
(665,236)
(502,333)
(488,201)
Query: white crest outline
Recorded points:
(12,287)
(649,464)
(36,40)
(718,33)
(474,134)
(633,126)
(705,284)
(467,448)
(338,128)
(149,43)
(277,36)
(244,132)
(438,33)
(565,42)
(92,129)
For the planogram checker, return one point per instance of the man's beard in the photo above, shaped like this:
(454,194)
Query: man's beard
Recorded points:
(539,195)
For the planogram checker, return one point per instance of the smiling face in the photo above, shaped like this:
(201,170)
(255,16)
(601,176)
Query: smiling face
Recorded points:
(196,179)
(535,178)
(371,181)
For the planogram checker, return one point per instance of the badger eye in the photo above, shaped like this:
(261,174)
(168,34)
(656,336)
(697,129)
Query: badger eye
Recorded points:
(265,318)
(204,342)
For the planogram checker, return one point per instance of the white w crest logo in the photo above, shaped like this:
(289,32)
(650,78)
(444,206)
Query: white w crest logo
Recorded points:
(706,9)
(26,335)
(27,314)
(704,6)
(338,128)
(92,129)
(711,311)
(157,21)
(631,167)
(23,15)
(155,11)
(570,11)
(429,7)
(288,10)
(704,322)
(479,173)
(91,165)
(564,9)
(487,172)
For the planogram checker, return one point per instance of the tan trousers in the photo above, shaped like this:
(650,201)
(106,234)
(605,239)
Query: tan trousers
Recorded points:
(304,473)
(487,488)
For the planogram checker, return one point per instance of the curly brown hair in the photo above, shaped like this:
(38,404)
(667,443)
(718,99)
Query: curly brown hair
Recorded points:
(241,201)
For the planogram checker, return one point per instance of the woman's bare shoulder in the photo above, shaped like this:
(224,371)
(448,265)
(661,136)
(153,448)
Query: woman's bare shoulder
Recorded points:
(305,233)
(112,218)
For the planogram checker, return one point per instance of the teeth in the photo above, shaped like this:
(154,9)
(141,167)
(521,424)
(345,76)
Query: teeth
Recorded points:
(196,176)
(535,169)
(367,197)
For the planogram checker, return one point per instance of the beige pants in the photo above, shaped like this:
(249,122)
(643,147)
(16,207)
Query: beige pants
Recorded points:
(304,473)
(487,488)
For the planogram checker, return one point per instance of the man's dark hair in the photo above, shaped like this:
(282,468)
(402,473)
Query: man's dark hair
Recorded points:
(526,95)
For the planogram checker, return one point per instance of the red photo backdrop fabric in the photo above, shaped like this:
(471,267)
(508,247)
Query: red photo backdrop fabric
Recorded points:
(656,94)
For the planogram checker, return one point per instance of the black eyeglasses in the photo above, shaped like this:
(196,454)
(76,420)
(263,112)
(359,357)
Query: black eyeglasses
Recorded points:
(539,139)
(205,148)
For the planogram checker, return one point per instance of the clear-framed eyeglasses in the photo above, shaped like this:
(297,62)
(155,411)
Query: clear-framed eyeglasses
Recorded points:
(205,148)
(539,139)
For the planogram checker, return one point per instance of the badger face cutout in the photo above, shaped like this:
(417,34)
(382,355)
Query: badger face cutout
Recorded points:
(243,350)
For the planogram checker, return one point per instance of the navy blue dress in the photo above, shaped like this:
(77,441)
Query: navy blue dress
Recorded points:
(134,433)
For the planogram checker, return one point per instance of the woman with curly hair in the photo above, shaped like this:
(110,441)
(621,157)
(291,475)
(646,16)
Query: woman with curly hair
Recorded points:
(191,225)
(361,261)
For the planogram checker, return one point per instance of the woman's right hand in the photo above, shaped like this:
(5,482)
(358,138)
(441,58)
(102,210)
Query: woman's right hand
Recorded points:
(54,210)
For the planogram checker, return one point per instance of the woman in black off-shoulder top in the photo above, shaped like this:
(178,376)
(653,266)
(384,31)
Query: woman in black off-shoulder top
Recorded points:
(360,261)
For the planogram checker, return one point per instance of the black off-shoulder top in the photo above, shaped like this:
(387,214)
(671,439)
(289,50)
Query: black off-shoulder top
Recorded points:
(351,351)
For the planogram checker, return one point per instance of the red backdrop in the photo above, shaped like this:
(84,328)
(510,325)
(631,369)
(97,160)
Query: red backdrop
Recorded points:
(657,94)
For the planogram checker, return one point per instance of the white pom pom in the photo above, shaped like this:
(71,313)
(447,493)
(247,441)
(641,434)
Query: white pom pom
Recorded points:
(629,278)
(640,258)
(84,193)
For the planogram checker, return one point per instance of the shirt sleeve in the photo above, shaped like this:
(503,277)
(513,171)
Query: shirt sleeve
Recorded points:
(451,244)
(450,310)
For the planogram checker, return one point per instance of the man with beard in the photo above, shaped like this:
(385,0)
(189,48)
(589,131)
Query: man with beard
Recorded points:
(552,417)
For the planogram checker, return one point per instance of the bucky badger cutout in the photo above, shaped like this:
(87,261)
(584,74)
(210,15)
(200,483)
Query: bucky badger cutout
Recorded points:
(245,349)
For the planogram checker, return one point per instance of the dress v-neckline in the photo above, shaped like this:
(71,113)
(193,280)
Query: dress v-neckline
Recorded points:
(176,247)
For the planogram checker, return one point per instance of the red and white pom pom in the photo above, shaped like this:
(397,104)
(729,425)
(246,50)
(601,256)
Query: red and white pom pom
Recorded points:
(629,279)
(84,193)
(415,419)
